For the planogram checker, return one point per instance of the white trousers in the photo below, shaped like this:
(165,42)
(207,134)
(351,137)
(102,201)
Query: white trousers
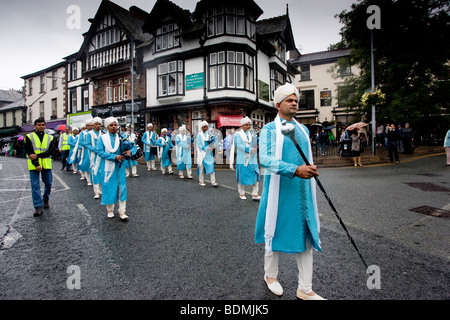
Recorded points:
(163,170)
(151,164)
(304,264)
(133,170)
(255,191)
(122,207)
(201,175)
(97,189)
(188,170)
(86,175)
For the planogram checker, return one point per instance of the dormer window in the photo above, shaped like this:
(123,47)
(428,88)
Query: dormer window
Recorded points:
(231,20)
(167,37)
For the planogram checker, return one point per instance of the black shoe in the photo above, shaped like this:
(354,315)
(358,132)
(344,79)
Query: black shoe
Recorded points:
(46,205)
(38,212)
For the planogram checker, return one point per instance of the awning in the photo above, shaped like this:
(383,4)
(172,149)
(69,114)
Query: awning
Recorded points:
(229,121)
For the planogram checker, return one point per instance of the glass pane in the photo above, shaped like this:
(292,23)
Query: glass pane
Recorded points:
(231,28)
(172,83)
(213,58)
(219,25)
(163,85)
(221,57)
(221,76)
(180,83)
(239,57)
(210,27)
(240,25)
(213,77)
(230,57)
(239,76)
(231,76)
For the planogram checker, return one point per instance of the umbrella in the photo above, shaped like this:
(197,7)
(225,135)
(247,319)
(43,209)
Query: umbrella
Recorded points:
(61,127)
(330,127)
(357,125)
(49,131)
(316,125)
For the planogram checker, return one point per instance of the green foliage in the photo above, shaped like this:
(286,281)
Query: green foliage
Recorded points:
(411,54)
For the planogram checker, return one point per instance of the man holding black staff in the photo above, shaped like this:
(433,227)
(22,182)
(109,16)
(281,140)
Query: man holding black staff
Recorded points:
(39,147)
(288,219)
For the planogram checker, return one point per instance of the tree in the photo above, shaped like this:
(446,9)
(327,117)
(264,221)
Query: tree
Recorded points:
(411,54)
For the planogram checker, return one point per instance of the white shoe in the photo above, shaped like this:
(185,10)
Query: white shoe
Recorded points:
(97,196)
(190,177)
(135,175)
(202,184)
(170,172)
(127,175)
(110,214)
(215,184)
(181,177)
(242,197)
(89,184)
(123,216)
(256,198)
(304,296)
(274,287)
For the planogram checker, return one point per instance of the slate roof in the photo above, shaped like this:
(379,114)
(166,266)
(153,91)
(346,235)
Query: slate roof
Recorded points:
(322,56)
(10,95)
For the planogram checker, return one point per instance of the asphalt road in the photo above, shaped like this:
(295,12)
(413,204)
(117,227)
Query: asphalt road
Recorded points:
(185,242)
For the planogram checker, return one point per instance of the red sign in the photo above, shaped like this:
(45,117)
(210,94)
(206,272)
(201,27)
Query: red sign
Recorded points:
(229,121)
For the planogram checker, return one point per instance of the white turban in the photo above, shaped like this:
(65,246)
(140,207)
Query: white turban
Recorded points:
(163,130)
(110,120)
(245,121)
(183,127)
(150,125)
(75,128)
(97,119)
(204,123)
(88,121)
(285,91)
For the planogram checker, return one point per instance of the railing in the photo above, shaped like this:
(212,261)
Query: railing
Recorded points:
(108,57)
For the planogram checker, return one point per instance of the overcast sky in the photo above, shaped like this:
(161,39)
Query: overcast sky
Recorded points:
(34,33)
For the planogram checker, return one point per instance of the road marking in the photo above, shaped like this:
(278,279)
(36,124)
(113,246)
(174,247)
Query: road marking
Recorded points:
(12,235)
(85,213)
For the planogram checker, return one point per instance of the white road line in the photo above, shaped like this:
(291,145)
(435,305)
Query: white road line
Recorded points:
(85,212)
(10,238)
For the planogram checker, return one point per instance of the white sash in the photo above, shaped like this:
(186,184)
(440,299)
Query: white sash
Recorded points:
(110,165)
(247,140)
(274,189)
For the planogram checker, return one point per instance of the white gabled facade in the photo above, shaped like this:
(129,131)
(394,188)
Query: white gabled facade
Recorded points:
(216,64)
(45,93)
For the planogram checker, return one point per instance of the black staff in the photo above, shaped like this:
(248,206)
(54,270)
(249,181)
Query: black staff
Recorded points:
(288,129)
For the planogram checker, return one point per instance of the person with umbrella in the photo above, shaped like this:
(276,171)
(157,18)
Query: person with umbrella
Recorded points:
(39,148)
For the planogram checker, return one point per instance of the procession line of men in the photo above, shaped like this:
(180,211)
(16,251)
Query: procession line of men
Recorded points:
(100,158)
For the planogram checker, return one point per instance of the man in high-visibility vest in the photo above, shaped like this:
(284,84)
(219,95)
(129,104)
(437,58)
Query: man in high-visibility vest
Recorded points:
(64,148)
(39,147)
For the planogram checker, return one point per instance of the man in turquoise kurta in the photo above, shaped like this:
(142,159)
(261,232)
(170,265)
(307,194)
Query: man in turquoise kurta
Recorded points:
(149,140)
(84,164)
(114,181)
(73,159)
(183,148)
(164,145)
(205,159)
(247,169)
(129,163)
(91,144)
(287,218)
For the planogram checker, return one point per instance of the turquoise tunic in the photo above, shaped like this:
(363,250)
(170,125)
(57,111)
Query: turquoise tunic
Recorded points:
(117,183)
(296,219)
(147,145)
(246,174)
(208,160)
(96,178)
(166,161)
(84,164)
(72,143)
(183,152)
(128,163)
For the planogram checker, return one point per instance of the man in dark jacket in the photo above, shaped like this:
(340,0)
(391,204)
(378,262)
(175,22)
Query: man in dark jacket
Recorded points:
(408,138)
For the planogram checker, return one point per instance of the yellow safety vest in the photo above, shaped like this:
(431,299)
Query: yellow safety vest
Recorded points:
(40,147)
(65,142)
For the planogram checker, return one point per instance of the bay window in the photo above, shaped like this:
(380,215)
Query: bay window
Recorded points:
(231,69)
(171,78)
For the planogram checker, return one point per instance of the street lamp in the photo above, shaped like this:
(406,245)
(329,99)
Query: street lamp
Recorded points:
(372,69)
